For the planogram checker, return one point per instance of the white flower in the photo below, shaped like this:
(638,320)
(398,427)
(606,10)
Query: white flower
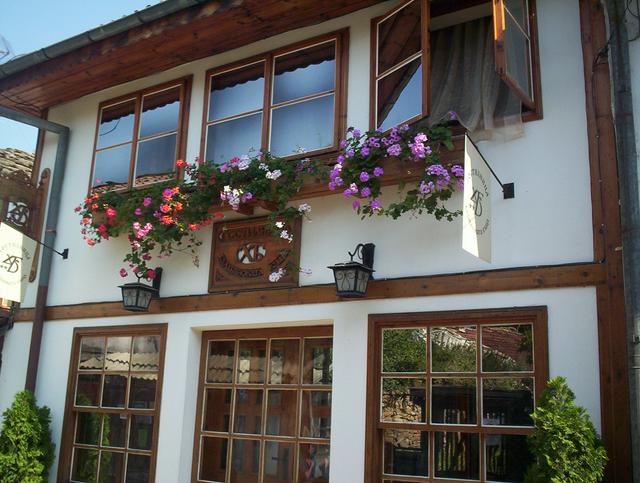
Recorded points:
(300,150)
(263,167)
(305,271)
(286,235)
(279,224)
(275,276)
(275,174)
(244,163)
(304,208)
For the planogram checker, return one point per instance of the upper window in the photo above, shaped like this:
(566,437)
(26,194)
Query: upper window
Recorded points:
(451,394)
(286,102)
(139,137)
(475,63)
(113,405)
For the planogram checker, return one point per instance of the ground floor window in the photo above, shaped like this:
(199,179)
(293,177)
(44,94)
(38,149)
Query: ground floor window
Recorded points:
(113,405)
(450,394)
(264,406)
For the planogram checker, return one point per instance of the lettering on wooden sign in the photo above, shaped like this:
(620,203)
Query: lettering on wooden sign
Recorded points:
(244,253)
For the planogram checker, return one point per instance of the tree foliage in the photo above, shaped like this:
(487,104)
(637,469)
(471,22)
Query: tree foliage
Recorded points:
(564,445)
(26,450)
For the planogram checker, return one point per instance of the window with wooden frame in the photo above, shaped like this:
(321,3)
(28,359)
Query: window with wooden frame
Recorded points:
(139,137)
(264,406)
(449,394)
(421,67)
(284,101)
(110,430)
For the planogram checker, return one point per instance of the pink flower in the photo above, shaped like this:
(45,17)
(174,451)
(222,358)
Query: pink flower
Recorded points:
(147,201)
(151,274)
(123,272)
(111,213)
(167,194)
(138,211)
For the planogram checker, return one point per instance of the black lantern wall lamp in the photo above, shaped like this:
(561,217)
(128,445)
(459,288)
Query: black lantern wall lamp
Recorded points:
(352,277)
(136,296)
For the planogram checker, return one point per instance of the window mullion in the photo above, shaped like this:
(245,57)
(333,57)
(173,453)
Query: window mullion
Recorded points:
(266,106)
(134,140)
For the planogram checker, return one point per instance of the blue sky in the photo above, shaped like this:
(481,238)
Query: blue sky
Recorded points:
(29,25)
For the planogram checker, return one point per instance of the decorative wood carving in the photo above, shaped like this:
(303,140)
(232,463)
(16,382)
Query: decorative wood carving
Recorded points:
(244,253)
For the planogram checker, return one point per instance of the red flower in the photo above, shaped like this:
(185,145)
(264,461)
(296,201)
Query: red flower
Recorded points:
(219,214)
(123,272)
(151,274)
(180,163)
(193,226)
(94,206)
(178,206)
(102,228)
(165,208)
(166,220)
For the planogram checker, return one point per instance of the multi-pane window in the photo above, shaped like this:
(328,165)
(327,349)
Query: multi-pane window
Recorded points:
(139,137)
(113,401)
(284,102)
(454,394)
(264,411)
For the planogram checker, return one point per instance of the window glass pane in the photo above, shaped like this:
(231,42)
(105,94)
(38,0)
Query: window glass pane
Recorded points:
(234,138)
(146,353)
(316,414)
(248,411)
(138,468)
(305,125)
(453,349)
(114,430)
(282,411)
(507,348)
(251,360)
(506,457)
(245,461)
(91,353)
(220,361)
(278,462)
(507,402)
(88,428)
(236,92)
(399,95)
(141,432)
(519,10)
(404,400)
(404,350)
(405,453)
(314,463)
(88,389)
(518,55)
(213,461)
(318,361)
(156,159)
(142,391)
(113,392)
(118,354)
(111,168)
(217,412)
(116,124)
(284,361)
(399,36)
(453,401)
(457,455)
(160,112)
(85,465)
(111,467)
(304,73)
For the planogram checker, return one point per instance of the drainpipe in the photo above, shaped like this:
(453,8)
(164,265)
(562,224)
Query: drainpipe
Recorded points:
(628,180)
(53,210)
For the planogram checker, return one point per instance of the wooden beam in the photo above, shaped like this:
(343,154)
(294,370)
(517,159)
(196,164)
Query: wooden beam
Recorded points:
(524,278)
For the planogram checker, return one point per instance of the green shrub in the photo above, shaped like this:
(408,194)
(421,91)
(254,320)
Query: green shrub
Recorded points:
(564,444)
(26,450)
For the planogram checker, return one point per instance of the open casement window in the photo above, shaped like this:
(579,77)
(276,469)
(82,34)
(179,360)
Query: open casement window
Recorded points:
(450,394)
(140,136)
(512,33)
(110,429)
(400,65)
(264,406)
(286,101)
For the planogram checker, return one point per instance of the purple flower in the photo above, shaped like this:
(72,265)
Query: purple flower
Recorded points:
(375,204)
(246,196)
(394,150)
(355,205)
(457,171)
(452,115)
(378,171)
(417,149)
(438,170)
(340,159)
(421,138)
(426,188)
(403,128)
(338,181)
(147,201)
(364,151)
(460,184)
(343,143)
(356,133)
(332,186)
(347,193)
(365,192)
(350,153)
(354,188)
(138,211)
(364,176)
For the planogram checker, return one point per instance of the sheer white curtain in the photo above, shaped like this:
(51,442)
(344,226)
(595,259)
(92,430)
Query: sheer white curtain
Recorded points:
(464,82)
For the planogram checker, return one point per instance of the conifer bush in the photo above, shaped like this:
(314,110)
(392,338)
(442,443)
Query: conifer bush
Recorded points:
(26,450)
(564,444)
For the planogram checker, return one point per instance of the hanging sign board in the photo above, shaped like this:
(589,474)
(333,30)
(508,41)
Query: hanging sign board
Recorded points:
(17,252)
(476,211)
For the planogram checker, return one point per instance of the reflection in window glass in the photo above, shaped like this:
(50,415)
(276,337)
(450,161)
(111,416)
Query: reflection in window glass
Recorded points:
(304,73)
(137,468)
(316,414)
(111,167)
(220,361)
(403,400)
(88,389)
(507,402)
(278,462)
(314,463)
(507,457)
(399,36)
(248,411)
(142,391)
(213,464)
(85,465)
(116,124)
(405,453)
(453,401)
(245,461)
(229,139)
(519,10)
(146,353)
(118,354)
(453,349)
(404,350)
(518,51)
(236,92)
(88,428)
(457,455)
(217,414)
(397,95)
(281,413)
(156,157)
(160,112)
(115,386)
(305,125)
(114,430)
(507,348)
(318,361)
(141,432)
(91,353)
(283,364)
(251,361)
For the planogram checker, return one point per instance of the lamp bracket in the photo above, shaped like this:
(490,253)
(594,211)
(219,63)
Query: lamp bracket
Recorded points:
(365,252)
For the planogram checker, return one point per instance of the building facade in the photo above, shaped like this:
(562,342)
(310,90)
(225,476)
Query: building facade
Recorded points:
(431,375)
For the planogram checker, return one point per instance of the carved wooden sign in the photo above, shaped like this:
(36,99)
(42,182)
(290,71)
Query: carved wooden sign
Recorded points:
(244,253)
